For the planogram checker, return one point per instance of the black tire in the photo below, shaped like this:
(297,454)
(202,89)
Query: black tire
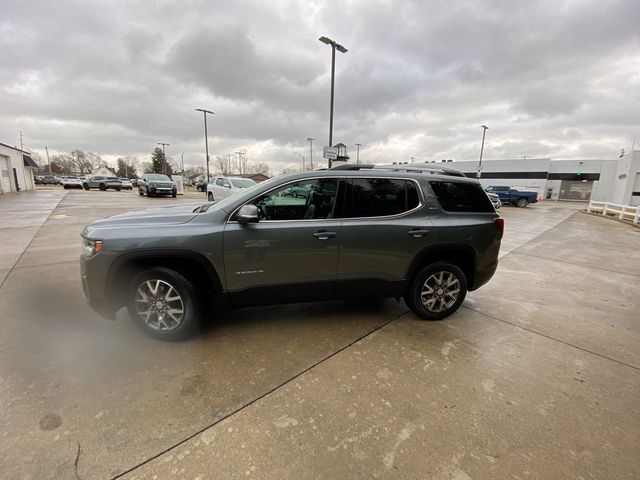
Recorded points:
(65,187)
(210,197)
(85,186)
(118,189)
(171,283)
(140,192)
(442,297)
(522,202)
(103,187)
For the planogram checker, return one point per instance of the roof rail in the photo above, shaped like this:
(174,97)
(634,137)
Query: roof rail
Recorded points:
(400,168)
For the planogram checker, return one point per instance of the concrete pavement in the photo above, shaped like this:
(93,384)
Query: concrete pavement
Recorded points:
(537,376)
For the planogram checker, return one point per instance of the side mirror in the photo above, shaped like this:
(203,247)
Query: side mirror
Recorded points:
(248,214)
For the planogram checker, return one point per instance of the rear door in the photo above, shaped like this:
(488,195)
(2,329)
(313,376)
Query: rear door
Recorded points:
(385,225)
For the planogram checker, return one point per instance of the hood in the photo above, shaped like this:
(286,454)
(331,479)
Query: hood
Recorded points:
(170,215)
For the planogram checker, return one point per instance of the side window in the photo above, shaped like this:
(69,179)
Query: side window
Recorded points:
(225,182)
(461,197)
(380,197)
(219,182)
(303,200)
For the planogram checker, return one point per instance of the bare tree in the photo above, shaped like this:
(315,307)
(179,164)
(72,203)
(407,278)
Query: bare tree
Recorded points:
(258,168)
(224,165)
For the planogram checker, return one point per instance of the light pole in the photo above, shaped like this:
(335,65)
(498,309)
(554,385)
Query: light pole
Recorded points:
(46,149)
(164,155)
(484,131)
(358,145)
(341,49)
(206,137)
(310,140)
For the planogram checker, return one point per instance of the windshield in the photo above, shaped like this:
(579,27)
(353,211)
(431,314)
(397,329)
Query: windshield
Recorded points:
(242,182)
(158,178)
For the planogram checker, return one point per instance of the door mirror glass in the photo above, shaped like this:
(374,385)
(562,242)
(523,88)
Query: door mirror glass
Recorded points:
(248,214)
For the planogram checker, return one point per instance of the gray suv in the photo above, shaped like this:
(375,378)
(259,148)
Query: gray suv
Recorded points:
(428,236)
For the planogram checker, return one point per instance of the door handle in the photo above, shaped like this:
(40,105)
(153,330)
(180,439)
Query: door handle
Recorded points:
(418,232)
(324,235)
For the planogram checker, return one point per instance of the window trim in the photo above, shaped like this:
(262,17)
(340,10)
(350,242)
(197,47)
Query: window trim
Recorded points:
(339,179)
(421,199)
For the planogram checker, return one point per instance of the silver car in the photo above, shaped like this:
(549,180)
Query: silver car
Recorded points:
(223,187)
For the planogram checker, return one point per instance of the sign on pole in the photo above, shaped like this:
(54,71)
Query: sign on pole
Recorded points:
(330,153)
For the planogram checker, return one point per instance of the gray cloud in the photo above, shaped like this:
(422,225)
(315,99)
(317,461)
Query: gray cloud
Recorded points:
(550,78)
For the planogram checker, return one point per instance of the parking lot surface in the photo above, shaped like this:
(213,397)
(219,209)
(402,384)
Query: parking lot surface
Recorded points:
(536,376)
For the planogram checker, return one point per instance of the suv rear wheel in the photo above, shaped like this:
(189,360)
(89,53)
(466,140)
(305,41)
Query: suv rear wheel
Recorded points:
(163,303)
(522,202)
(210,197)
(437,291)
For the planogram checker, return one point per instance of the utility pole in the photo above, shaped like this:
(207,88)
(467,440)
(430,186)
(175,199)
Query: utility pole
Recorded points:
(310,140)
(412,159)
(484,131)
(358,145)
(164,165)
(21,146)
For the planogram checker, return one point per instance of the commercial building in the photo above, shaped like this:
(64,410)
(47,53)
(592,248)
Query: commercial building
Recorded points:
(616,180)
(16,169)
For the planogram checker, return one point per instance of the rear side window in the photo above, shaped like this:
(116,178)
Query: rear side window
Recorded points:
(379,197)
(461,197)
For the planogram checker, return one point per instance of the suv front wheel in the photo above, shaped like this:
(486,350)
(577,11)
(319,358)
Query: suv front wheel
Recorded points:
(437,291)
(163,303)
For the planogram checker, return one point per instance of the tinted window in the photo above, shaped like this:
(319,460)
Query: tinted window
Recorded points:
(377,197)
(219,182)
(242,182)
(303,200)
(461,197)
(156,177)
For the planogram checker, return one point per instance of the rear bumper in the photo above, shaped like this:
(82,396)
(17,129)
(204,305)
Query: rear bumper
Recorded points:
(482,276)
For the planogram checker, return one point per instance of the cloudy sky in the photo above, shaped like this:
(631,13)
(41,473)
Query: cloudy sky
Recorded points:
(550,78)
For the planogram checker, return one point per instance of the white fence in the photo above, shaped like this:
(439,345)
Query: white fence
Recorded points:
(624,213)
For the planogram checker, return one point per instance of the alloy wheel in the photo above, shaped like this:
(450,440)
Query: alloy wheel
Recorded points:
(440,291)
(159,305)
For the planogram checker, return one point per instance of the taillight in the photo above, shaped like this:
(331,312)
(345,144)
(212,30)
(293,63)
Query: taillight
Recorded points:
(499,222)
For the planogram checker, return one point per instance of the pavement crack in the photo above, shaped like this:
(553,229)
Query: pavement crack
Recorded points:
(260,397)
(75,464)
(552,338)
(575,264)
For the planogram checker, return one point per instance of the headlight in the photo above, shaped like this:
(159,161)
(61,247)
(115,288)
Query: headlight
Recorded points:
(152,184)
(91,247)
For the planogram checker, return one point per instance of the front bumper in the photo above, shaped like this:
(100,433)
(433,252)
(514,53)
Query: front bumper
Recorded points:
(99,303)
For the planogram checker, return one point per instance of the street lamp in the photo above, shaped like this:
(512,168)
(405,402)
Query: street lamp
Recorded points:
(358,145)
(206,137)
(341,49)
(310,140)
(164,165)
(484,131)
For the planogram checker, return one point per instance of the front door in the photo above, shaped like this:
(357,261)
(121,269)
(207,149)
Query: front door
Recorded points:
(291,254)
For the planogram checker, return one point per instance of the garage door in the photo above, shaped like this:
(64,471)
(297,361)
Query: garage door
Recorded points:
(4,174)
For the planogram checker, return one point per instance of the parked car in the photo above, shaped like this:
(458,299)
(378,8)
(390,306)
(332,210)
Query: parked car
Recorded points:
(495,200)
(375,232)
(222,187)
(201,185)
(512,196)
(71,181)
(103,183)
(156,184)
(48,180)
(126,183)
(295,192)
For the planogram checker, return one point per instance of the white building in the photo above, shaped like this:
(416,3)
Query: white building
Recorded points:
(616,181)
(16,169)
